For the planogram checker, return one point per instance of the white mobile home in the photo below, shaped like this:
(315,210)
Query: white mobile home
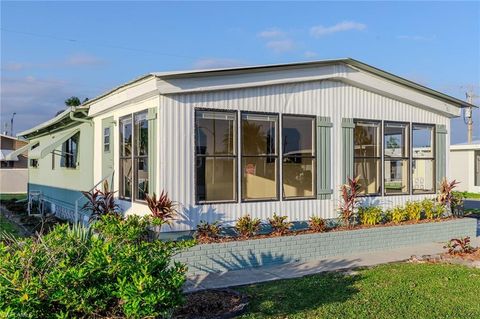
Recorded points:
(465,166)
(256,140)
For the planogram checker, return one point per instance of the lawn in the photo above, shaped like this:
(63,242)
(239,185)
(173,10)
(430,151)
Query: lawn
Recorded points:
(7,227)
(387,291)
(5,197)
(469,195)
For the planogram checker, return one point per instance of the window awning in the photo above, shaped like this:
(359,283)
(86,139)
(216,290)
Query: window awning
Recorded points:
(13,156)
(4,154)
(50,146)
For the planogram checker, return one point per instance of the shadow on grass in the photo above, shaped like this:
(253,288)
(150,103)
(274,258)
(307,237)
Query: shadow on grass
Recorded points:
(288,297)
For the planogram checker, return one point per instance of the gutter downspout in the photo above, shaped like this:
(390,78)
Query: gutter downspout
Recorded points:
(73,118)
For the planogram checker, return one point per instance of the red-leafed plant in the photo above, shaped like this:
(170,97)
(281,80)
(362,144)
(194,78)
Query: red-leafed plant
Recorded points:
(100,202)
(445,195)
(163,209)
(349,193)
(459,246)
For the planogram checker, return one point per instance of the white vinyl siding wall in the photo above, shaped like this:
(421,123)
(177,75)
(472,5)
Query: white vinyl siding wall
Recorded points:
(320,98)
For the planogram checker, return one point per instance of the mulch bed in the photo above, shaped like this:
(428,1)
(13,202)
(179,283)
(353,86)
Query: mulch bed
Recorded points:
(17,213)
(215,303)
(471,259)
(225,239)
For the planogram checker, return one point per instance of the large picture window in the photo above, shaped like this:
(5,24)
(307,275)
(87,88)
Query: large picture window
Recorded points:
(126,167)
(367,156)
(259,156)
(298,156)
(423,159)
(134,156)
(396,158)
(140,156)
(216,159)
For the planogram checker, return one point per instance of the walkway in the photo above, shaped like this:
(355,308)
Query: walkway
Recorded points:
(294,270)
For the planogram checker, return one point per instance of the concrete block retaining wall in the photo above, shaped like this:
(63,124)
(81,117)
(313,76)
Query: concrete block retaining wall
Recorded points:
(219,257)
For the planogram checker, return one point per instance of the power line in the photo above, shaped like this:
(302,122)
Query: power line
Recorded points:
(106,45)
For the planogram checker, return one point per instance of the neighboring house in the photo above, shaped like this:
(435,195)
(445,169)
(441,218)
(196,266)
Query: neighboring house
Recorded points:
(249,140)
(14,171)
(465,166)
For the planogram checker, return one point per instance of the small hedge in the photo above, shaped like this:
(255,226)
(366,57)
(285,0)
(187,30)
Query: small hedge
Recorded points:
(109,270)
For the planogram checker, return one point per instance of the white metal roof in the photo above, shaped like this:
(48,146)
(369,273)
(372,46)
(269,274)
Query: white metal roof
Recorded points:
(272,67)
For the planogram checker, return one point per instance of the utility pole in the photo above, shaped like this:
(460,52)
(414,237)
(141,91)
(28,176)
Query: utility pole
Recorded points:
(469,117)
(11,124)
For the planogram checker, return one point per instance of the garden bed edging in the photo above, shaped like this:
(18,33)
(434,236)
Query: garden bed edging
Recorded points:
(242,254)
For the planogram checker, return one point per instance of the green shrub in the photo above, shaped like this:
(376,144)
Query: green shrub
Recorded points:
(397,214)
(75,272)
(317,224)
(428,207)
(279,224)
(413,210)
(370,215)
(247,226)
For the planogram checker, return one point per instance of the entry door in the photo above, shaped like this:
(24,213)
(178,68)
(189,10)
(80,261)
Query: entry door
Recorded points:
(108,125)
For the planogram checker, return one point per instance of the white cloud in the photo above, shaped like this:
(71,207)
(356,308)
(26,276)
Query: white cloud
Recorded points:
(310,54)
(213,63)
(271,33)
(416,37)
(320,30)
(80,59)
(280,46)
(35,100)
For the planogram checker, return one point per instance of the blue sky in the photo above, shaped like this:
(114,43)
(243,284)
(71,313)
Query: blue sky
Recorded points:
(53,50)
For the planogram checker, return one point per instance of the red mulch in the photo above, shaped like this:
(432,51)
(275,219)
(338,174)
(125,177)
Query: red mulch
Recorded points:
(473,256)
(225,239)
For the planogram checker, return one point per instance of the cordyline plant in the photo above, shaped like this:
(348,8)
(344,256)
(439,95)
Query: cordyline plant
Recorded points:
(100,202)
(349,193)
(163,209)
(445,194)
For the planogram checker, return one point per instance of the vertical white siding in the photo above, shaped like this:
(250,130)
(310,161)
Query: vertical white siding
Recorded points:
(325,98)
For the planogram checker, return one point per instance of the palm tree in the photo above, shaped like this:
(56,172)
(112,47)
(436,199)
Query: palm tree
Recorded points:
(254,140)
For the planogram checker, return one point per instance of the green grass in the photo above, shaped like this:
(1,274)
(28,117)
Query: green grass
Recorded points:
(8,227)
(387,291)
(12,196)
(471,195)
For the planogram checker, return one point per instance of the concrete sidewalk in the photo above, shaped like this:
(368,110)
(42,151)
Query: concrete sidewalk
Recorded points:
(294,270)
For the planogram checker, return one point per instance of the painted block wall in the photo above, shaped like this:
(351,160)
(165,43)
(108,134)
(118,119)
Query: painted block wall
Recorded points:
(220,257)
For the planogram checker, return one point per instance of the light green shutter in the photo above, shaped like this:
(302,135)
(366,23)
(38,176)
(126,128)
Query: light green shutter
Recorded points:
(347,149)
(107,155)
(440,153)
(152,149)
(324,163)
